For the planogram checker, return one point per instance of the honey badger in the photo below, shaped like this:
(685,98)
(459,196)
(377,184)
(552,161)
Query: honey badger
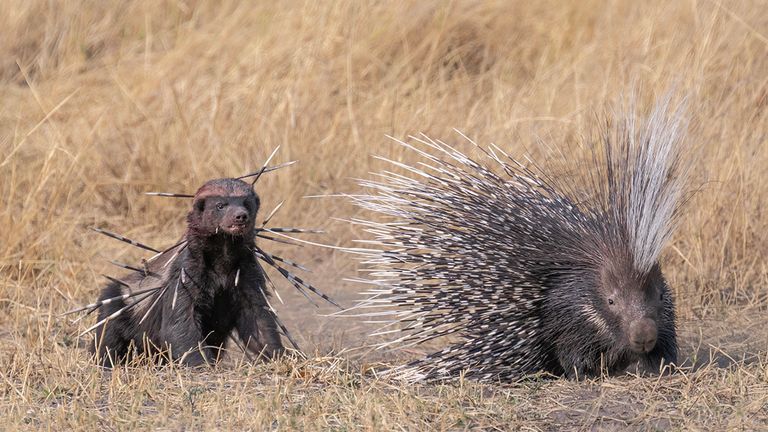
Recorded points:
(187,301)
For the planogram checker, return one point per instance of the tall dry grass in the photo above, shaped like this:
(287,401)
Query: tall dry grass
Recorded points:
(103,100)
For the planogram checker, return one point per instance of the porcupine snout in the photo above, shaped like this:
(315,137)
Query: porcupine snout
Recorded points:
(642,335)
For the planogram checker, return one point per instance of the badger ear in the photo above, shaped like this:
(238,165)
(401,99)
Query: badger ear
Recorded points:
(199,204)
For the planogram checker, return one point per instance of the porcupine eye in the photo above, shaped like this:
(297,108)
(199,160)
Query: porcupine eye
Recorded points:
(610,301)
(220,205)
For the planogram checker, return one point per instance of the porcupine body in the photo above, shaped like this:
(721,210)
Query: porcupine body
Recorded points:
(206,286)
(528,272)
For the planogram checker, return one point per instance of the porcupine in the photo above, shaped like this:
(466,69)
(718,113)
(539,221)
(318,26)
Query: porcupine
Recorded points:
(188,299)
(529,273)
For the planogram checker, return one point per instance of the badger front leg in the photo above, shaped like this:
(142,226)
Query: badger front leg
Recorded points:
(181,330)
(256,325)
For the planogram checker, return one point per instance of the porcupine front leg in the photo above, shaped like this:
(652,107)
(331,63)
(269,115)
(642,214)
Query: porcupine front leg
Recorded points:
(256,325)
(574,367)
(579,362)
(663,354)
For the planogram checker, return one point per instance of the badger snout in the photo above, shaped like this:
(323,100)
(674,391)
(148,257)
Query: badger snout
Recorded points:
(642,335)
(236,221)
(240,217)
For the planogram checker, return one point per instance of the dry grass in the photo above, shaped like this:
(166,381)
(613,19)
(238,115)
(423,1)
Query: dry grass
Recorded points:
(102,100)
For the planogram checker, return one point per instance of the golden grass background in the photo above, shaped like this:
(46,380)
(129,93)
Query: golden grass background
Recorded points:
(104,100)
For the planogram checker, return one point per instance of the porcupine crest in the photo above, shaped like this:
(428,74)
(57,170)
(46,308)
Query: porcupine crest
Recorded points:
(523,268)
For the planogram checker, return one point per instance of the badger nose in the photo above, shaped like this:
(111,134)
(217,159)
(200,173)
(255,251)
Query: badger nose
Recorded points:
(642,335)
(241,216)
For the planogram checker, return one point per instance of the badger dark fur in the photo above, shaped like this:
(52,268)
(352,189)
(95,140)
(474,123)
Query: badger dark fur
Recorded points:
(199,291)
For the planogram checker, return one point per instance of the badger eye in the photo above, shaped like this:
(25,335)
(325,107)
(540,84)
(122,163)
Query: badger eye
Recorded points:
(610,301)
(661,296)
(220,206)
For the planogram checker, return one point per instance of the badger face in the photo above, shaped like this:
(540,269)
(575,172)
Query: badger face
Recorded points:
(230,215)
(224,207)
